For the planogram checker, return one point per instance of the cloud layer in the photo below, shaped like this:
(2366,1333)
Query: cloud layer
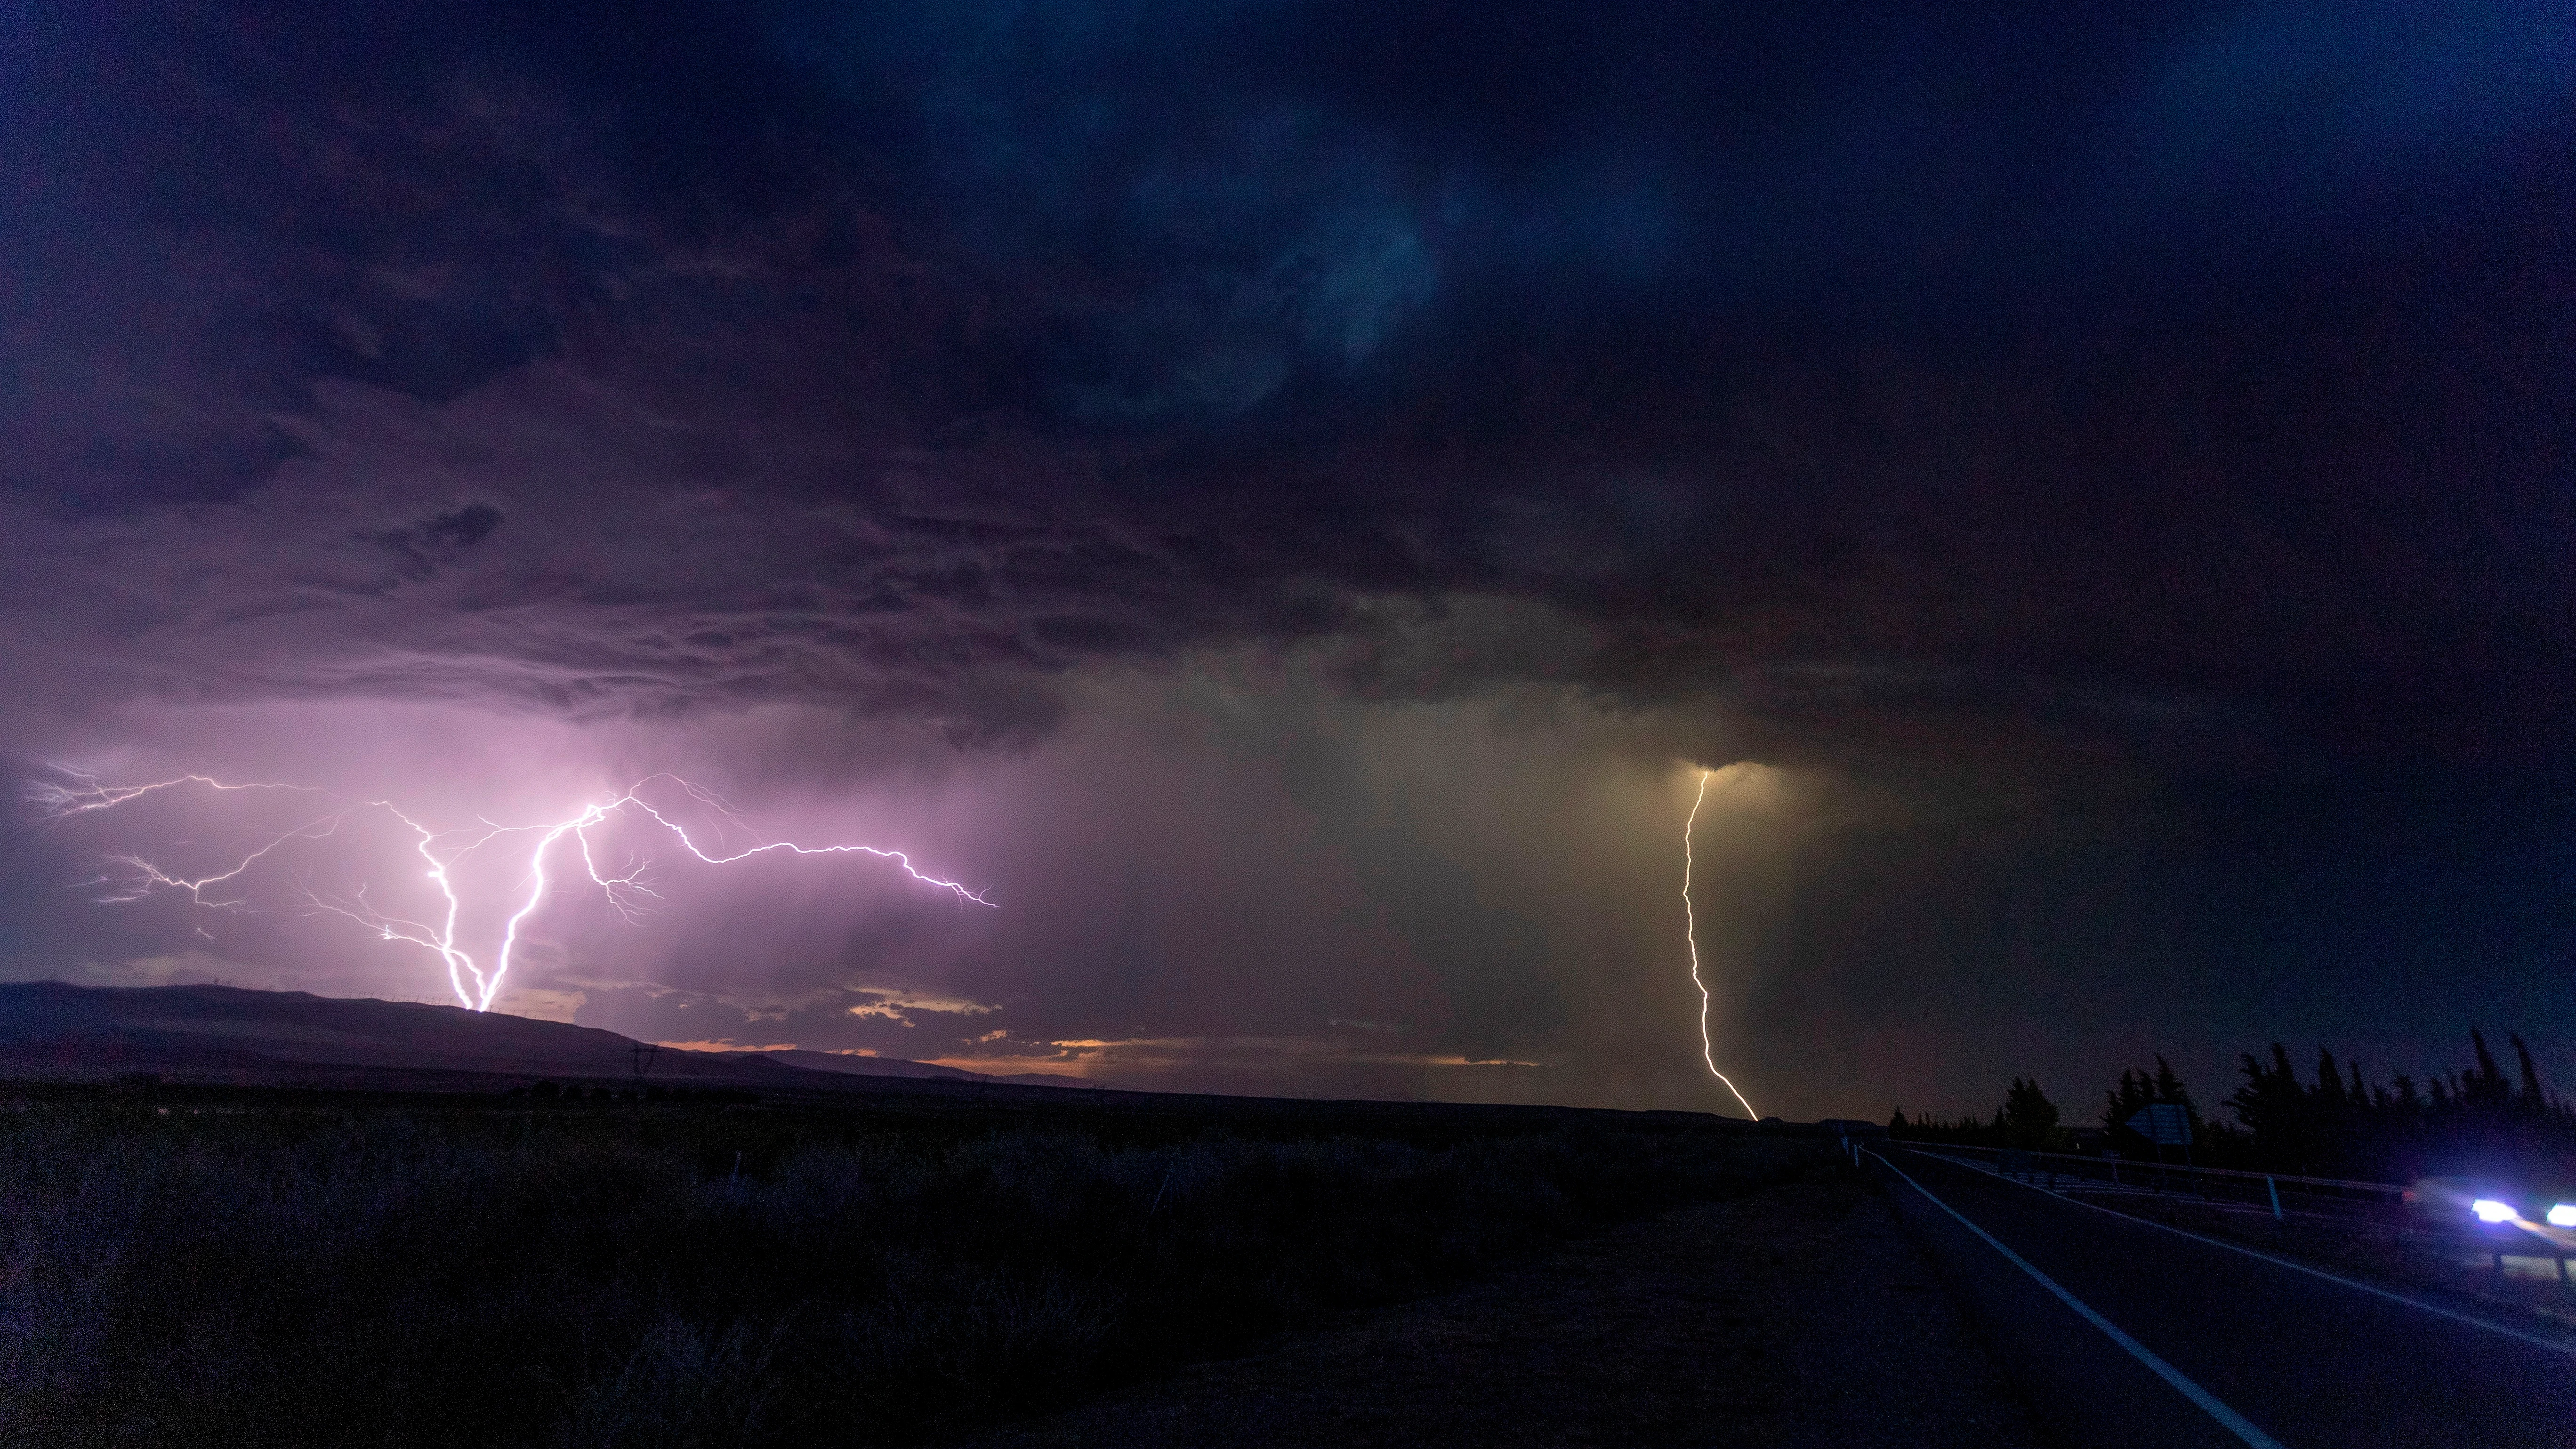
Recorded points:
(2114,462)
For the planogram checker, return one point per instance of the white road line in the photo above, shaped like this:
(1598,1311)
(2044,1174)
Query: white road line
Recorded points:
(2553,1345)
(2234,1422)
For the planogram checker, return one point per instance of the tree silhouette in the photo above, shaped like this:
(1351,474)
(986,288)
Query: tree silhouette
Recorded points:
(2484,1084)
(2028,1118)
(2140,1089)
(2277,1110)
(2474,1121)
(2337,1123)
(2329,1081)
(2533,1099)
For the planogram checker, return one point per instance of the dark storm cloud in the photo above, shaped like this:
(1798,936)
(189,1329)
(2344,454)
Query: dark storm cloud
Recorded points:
(2077,394)
(2071,356)
(422,546)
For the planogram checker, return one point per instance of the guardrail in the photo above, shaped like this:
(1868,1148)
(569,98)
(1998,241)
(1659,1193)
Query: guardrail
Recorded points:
(2280,1193)
(2338,1200)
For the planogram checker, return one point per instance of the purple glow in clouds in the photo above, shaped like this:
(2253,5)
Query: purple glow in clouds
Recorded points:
(445,853)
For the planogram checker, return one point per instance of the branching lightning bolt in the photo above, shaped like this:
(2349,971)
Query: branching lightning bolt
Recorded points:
(1690,934)
(475,985)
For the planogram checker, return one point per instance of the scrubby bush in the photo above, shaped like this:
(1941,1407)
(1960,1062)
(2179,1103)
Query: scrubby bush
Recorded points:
(534,1274)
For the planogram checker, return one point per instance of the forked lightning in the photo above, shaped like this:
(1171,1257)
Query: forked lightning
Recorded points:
(475,985)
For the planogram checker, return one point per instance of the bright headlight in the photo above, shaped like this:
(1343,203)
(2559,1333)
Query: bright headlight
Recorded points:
(2491,1211)
(2563,1215)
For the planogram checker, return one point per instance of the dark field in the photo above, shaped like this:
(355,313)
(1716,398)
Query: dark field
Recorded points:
(225,1266)
(1798,1316)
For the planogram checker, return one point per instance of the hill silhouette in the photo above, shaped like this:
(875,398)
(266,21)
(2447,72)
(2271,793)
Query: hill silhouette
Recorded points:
(57,1032)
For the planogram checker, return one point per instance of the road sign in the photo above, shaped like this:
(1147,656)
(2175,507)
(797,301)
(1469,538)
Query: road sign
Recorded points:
(2162,1123)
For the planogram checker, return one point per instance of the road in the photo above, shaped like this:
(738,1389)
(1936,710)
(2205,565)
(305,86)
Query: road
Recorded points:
(2154,1337)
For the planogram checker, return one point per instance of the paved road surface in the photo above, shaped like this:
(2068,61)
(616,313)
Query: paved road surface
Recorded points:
(2253,1352)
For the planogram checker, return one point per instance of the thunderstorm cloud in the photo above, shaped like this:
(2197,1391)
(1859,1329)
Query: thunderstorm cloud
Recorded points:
(1287,495)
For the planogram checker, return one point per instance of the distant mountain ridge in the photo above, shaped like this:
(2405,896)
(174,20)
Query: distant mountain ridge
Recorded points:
(852,1064)
(59,1032)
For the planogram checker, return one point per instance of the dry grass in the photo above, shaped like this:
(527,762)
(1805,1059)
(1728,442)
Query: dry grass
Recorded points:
(606,1276)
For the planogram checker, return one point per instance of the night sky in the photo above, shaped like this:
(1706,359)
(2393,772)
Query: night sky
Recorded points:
(1286,497)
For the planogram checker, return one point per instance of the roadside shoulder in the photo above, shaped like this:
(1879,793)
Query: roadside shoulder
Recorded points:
(1797,1315)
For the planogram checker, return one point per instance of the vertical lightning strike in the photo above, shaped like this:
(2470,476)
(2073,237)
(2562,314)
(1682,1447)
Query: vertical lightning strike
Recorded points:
(1690,934)
(475,987)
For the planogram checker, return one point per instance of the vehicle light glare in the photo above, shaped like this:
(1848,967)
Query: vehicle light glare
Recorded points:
(2563,1215)
(2491,1211)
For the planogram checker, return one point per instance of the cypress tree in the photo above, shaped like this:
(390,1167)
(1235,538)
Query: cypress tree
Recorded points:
(2485,1083)
(2329,1080)
(2533,1098)
(2122,1103)
(2027,1118)
(2276,1108)
(2169,1088)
